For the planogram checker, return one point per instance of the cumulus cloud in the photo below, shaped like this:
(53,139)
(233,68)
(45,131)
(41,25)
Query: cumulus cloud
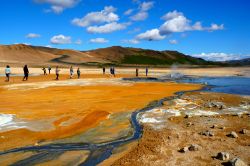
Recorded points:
(220,56)
(98,40)
(145,6)
(128,12)
(173,41)
(32,35)
(57,6)
(150,35)
(107,28)
(107,15)
(60,39)
(131,41)
(176,22)
(142,14)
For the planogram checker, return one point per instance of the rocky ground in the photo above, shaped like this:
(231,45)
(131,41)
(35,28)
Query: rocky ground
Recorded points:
(189,139)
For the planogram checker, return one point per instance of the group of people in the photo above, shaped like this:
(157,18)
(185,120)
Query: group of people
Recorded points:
(57,71)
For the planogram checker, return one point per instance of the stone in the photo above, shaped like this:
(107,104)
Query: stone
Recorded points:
(233,134)
(187,116)
(223,156)
(243,131)
(207,133)
(184,149)
(214,126)
(236,162)
(222,128)
(189,124)
(194,147)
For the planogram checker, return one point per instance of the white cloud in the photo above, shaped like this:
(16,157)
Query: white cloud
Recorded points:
(98,40)
(150,35)
(79,42)
(49,46)
(220,56)
(171,15)
(128,12)
(60,39)
(107,28)
(173,41)
(32,35)
(57,6)
(145,6)
(105,16)
(142,14)
(131,41)
(176,22)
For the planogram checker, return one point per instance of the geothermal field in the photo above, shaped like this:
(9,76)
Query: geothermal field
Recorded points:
(175,116)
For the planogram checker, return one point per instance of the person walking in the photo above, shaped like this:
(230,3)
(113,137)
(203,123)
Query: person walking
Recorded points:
(57,73)
(103,70)
(49,68)
(78,73)
(71,72)
(146,71)
(136,72)
(44,71)
(7,73)
(26,73)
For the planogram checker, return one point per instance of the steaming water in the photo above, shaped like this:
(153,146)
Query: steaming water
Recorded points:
(231,85)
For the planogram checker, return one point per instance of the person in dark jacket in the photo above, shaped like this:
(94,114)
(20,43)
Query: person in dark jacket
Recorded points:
(78,73)
(103,70)
(26,73)
(146,71)
(136,72)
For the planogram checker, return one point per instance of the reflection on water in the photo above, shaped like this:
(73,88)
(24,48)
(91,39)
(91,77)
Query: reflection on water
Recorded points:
(231,85)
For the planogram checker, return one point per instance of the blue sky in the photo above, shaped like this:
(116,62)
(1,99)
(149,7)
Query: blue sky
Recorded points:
(211,29)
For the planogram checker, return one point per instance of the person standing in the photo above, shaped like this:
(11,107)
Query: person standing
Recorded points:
(78,72)
(146,71)
(114,71)
(103,70)
(7,73)
(44,71)
(71,72)
(57,73)
(136,72)
(26,73)
(49,68)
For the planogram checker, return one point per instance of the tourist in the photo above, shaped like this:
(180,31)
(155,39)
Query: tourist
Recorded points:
(136,72)
(26,73)
(49,68)
(7,73)
(103,70)
(57,73)
(71,72)
(78,72)
(146,71)
(44,71)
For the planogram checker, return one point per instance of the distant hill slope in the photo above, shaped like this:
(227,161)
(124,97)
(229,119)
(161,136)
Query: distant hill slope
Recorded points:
(121,55)
(37,55)
(242,62)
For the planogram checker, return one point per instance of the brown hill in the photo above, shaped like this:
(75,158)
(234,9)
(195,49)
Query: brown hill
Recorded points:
(36,55)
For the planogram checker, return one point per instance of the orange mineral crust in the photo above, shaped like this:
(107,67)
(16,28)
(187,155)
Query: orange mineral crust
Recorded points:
(71,110)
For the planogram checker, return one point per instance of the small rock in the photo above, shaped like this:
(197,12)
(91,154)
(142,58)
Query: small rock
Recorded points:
(222,128)
(236,162)
(194,147)
(214,126)
(243,131)
(222,107)
(187,116)
(233,134)
(189,124)
(223,156)
(207,133)
(184,150)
